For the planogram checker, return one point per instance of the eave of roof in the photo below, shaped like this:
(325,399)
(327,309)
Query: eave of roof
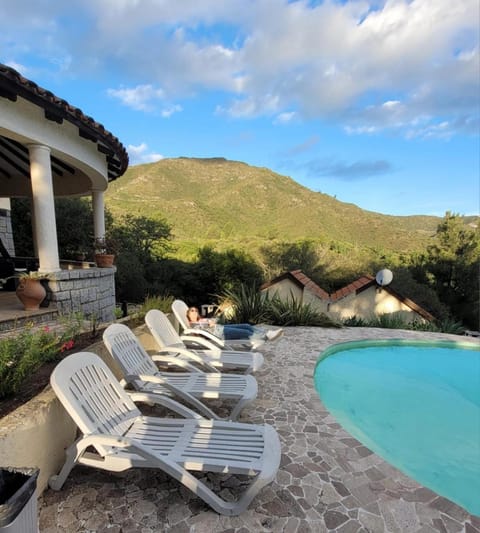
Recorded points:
(13,85)
(300,279)
(356,287)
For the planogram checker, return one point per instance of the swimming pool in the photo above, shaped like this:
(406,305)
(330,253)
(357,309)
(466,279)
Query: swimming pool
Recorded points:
(416,404)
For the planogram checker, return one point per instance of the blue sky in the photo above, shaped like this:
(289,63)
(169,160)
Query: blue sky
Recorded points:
(374,102)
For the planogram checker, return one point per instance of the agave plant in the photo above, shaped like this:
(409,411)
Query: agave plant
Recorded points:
(246,305)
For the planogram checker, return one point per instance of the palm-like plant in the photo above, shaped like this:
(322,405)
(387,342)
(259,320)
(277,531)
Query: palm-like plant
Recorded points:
(247,304)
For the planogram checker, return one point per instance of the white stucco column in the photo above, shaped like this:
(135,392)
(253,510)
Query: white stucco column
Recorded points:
(98,207)
(45,225)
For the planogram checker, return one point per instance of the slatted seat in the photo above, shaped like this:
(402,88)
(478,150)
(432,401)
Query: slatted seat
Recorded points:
(122,438)
(141,372)
(169,341)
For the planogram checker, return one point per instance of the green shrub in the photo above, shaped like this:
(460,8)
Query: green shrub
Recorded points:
(21,355)
(292,312)
(251,306)
(354,322)
(396,321)
(449,325)
(248,303)
(164,303)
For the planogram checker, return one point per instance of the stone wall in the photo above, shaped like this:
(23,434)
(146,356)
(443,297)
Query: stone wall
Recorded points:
(88,290)
(44,422)
(6,230)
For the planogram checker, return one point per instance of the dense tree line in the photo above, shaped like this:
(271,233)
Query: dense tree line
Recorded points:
(444,279)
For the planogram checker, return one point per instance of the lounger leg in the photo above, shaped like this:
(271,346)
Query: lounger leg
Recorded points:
(56,481)
(218,504)
(240,405)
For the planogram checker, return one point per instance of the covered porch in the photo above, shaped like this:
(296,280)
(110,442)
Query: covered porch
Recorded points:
(50,149)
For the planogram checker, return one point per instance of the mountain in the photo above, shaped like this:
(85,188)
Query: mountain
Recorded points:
(229,202)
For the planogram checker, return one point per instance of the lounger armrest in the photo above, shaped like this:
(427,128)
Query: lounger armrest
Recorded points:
(202,342)
(205,334)
(164,401)
(176,361)
(188,354)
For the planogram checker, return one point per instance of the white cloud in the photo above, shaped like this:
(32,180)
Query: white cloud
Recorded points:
(286,117)
(167,112)
(24,71)
(369,65)
(139,98)
(140,154)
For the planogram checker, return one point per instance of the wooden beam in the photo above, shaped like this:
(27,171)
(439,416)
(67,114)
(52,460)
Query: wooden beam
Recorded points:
(15,165)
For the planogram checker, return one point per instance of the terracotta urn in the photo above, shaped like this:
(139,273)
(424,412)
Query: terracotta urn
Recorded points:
(104,260)
(31,293)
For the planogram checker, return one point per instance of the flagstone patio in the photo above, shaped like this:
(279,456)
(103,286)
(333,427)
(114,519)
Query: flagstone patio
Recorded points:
(328,481)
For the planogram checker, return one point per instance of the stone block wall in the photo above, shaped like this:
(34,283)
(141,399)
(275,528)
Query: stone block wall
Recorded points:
(6,233)
(89,290)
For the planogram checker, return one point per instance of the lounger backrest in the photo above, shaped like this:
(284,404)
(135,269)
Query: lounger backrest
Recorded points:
(180,308)
(92,396)
(128,352)
(162,329)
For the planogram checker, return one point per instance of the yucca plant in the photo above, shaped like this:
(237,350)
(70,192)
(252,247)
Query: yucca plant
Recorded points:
(247,304)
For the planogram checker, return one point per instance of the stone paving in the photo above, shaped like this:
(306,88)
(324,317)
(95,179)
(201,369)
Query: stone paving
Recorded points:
(327,481)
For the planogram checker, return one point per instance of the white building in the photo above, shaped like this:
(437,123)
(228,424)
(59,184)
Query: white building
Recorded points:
(48,148)
(363,298)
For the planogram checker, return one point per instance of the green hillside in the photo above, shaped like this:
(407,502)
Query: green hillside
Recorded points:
(231,202)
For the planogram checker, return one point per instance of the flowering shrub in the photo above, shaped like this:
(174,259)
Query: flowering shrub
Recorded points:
(22,354)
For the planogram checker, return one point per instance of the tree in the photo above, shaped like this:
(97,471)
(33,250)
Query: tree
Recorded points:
(74,220)
(140,242)
(287,256)
(220,271)
(453,263)
(148,238)
(22,227)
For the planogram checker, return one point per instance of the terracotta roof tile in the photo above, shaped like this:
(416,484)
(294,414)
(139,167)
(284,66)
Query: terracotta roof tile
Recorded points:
(13,84)
(356,286)
(298,277)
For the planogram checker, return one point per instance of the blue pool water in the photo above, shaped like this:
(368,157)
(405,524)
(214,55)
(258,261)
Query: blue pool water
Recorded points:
(415,404)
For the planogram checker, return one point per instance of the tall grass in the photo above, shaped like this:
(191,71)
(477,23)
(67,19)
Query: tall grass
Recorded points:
(164,303)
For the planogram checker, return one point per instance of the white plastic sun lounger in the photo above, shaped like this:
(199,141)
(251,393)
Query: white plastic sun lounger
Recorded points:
(142,373)
(169,341)
(200,338)
(121,438)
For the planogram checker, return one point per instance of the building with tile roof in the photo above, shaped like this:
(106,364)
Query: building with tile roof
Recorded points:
(49,149)
(363,298)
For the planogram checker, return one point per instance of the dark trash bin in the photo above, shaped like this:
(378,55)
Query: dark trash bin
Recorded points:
(18,501)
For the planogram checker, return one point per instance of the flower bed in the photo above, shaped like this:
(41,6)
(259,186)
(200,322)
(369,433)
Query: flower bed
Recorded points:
(28,356)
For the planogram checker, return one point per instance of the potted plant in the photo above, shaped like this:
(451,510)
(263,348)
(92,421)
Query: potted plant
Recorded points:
(30,289)
(104,252)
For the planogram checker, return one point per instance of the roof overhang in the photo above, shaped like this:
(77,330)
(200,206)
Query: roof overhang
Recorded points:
(84,155)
